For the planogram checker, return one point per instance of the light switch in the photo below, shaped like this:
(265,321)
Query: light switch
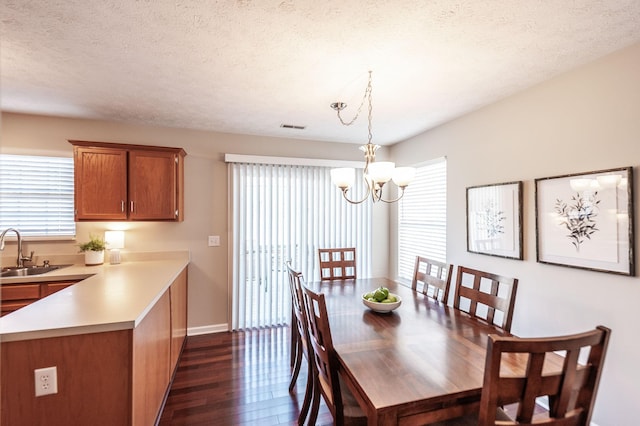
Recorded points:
(214,240)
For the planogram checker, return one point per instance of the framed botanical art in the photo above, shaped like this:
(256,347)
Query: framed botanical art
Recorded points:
(585,220)
(494,220)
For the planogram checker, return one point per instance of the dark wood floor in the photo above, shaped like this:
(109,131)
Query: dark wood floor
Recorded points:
(239,378)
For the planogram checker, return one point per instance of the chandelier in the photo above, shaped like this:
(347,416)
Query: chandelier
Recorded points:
(376,173)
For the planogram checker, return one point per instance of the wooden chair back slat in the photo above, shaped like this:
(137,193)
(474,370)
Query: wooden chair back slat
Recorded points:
(484,302)
(299,330)
(434,277)
(323,352)
(337,263)
(297,304)
(571,390)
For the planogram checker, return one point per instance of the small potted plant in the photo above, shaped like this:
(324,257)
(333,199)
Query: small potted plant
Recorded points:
(93,250)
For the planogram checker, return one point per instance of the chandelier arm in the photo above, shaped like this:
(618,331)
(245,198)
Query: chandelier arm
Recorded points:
(368,185)
(365,198)
(392,201)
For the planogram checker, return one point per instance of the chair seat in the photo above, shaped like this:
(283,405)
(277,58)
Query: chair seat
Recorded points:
(349,403)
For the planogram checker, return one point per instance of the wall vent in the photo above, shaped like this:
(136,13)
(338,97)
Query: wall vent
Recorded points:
(292,126)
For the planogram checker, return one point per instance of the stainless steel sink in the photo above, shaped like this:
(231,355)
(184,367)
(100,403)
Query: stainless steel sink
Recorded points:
(29,270)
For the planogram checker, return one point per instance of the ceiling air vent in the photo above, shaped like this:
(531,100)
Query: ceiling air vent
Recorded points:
(292,126)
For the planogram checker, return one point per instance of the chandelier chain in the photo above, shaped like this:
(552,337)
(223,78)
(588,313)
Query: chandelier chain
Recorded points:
(367,96)
(375,174)
(370,107)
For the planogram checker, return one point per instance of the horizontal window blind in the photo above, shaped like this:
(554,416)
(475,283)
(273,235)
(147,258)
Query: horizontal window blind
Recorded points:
(422,218)
(36,195)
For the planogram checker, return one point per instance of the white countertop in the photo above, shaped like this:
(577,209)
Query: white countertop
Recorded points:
(113,297)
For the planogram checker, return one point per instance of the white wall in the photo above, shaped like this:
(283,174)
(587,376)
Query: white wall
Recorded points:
(205,197)
(585,120)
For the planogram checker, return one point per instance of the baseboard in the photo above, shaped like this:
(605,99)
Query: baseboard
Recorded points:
(206,329)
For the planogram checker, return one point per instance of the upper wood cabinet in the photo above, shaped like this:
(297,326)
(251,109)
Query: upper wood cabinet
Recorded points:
(117,182)
(100,183)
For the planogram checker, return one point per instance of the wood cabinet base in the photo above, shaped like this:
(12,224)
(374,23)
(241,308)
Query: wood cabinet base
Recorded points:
(110,378)
(93,384)
(16,296)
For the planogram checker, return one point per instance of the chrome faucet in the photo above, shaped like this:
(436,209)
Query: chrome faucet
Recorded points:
(21,258)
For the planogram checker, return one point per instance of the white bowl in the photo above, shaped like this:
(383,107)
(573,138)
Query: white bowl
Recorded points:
(382,307)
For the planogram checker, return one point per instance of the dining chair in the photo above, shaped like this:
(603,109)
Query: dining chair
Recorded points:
(301,349)
(571,391)
(486,296)
(337,263)
(434,277)
(295,339)
(339,399)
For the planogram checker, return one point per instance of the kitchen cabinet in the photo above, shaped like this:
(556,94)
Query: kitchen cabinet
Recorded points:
(48,288)
(16,296)
(150,362)
(100,183)
(121,182)
(111,377)
(178,292)
(157,345)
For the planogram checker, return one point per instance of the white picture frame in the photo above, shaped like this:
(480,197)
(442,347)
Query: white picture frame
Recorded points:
(494,220)
(585,220)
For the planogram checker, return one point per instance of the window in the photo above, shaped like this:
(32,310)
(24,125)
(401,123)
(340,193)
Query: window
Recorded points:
(286,212)
(422,218)
(36,195)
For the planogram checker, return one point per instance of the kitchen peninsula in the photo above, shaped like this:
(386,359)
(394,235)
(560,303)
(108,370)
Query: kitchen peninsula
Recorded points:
(115,338)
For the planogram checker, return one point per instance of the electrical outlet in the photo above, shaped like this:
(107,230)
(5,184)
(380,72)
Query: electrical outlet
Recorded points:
(214,240)
(46,380)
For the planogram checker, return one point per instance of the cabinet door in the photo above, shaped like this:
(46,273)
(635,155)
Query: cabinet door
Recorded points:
(150,376)
(153,185)
(100,183)
(15,296)
(178,292)
(48,288)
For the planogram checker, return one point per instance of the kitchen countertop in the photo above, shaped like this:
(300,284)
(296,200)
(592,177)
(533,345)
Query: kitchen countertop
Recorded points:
(109,298)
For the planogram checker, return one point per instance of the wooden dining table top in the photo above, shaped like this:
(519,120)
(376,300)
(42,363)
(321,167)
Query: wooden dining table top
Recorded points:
(422,362)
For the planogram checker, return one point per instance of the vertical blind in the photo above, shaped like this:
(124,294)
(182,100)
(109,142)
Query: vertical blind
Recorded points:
(286,212)
(36,195)
(422,218)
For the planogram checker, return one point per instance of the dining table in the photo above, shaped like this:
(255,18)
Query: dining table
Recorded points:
(421,363)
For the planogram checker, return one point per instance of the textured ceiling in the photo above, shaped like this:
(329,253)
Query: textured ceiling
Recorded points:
(249,66)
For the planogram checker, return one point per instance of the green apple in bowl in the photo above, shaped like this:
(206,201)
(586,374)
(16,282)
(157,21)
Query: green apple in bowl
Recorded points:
(381,300)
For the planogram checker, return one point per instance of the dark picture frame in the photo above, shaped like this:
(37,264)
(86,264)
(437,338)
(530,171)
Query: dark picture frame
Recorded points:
(494,220)
(585,220)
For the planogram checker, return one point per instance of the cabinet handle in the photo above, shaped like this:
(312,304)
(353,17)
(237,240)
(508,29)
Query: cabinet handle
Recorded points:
(122,206)
(131,206)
